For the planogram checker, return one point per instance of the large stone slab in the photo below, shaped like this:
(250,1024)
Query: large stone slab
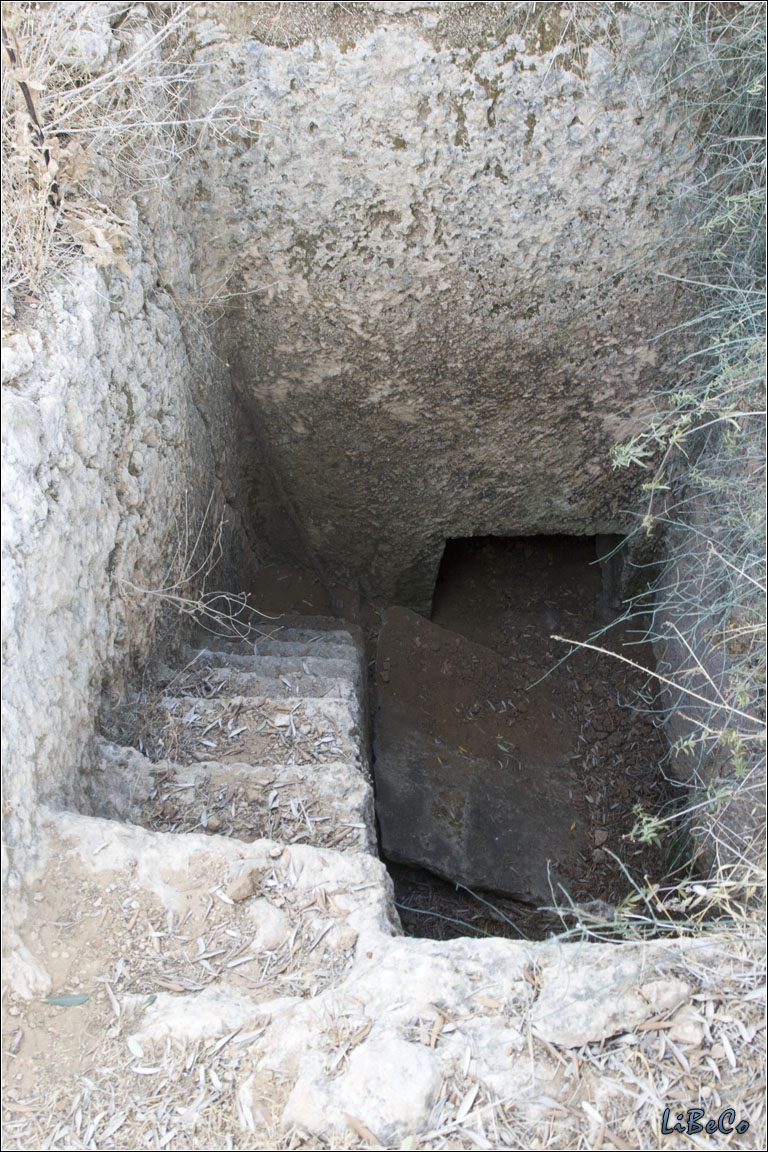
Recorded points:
(478,795)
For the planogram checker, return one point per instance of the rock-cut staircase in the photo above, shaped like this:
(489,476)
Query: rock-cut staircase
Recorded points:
(263,738)
(226,954)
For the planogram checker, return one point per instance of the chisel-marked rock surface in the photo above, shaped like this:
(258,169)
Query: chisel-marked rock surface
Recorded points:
(433,230)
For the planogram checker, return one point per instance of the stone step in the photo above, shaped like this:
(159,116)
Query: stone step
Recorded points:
(303,627)
(277,646)
(223,679)
(183,872)
(328,804)
(274,666)
(281,646)
(290,642)
(258,729)
(310,636)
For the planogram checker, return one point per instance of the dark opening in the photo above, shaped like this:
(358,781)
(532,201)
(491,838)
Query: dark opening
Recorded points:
(509,765)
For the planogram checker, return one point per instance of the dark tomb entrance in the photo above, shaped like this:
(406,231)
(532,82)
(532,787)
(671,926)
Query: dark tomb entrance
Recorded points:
(512,770)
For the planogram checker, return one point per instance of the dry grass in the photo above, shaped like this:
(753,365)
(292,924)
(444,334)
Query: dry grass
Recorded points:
(94,110)
(704,455)
(91,108)
(103,1089)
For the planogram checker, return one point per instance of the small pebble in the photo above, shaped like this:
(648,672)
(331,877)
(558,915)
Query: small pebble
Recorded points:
(244,886)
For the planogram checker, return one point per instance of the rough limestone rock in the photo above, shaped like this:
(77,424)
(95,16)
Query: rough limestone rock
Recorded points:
(390,1086)
(110,452)
(440,231)
(600,998)
(367,1034)
(430,225)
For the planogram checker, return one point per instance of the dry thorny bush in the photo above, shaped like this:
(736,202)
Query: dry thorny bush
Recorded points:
(94,108)
(84,107)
